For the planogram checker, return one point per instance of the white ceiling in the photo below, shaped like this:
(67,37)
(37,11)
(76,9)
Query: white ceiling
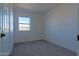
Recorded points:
(37,7)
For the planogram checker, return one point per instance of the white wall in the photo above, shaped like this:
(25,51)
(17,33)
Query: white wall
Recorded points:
(60,26)
(35,33)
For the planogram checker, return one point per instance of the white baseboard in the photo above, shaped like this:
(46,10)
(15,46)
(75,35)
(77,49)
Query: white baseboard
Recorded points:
(25,41)
(61,46)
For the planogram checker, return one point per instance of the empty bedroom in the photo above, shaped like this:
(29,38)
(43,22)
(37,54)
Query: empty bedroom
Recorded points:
(39,29)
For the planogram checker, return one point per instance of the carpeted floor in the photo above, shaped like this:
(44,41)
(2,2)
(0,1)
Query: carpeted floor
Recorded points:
(40,48)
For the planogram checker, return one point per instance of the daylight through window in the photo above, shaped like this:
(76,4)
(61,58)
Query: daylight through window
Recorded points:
(24,24)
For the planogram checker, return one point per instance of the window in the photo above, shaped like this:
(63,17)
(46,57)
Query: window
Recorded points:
(24,24)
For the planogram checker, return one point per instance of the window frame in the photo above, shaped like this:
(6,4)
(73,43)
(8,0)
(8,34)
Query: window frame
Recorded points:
(24,23)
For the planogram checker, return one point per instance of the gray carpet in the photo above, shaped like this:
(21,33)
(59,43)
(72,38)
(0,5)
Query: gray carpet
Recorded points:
(40,48)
